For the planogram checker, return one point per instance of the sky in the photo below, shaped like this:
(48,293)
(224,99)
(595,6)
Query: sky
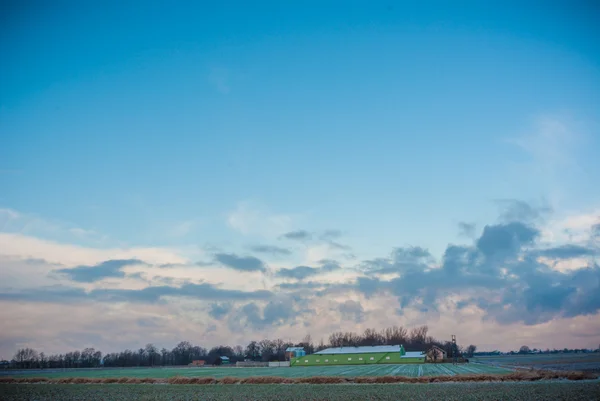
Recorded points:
(222,173)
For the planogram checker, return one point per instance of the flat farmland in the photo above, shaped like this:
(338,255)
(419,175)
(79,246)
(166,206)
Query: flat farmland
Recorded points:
(578,362)
(412,370)
(530,391)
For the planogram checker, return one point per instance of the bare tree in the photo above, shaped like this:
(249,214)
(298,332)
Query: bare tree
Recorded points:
(151,353)
(371,337)
(238,350)
(418,336)
(336,339)
(471,350)
(253,351)
(395,335)
(307,344)
(267,349)
(26,357)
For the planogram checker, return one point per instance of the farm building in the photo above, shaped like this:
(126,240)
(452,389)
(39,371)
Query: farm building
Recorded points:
(197,363)
(294,352)
(224,360)
(436,354)
(380,354)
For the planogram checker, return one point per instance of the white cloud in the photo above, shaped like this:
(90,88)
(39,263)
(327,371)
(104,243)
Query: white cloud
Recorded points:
(12,221)
(566,265)
(178,319)
(8,214)
(181,229)
(575,228)
(251,219)
(552,142)
(26,247)
(216,275)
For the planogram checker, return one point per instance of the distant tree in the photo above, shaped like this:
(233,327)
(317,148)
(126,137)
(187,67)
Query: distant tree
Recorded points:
(336,339)
(371,337)
(267,350)
(151,354)
(26,357)
(307,344)
(253,351)
(418,337)
(395,335)
(182,353)
(238,351)
(471,349)
(524,349)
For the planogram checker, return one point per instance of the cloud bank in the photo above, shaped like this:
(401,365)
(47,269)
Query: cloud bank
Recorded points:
(507,277)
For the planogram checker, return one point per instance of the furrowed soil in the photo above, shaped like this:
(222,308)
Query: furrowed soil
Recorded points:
(589,362)
(511,377)
(525,391)
(409,370)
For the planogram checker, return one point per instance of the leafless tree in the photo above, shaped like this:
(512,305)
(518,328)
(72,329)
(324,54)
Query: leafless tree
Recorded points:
(471,350)
(395,335)
(26,357)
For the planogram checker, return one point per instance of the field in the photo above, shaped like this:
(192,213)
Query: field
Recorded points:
(412,370)
(446,391)
(580,362)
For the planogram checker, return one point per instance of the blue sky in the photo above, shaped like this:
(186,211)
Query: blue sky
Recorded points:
(203,128)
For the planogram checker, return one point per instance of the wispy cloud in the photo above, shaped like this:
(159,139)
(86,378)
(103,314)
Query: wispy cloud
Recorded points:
(466,229)
(552,146)
(250,218)
(270,249)
(302,272)
(12,221)
(109,268)
(181,229)
(298,235)
(244,263)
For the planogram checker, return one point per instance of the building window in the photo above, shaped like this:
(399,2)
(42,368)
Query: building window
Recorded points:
(349,359)
(326,360)
(360,359)
(387,357)
(306,361)
(318,360)
(372,358)
(335,360)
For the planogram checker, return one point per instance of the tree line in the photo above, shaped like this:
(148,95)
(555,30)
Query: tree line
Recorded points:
(417,339)
(526,350)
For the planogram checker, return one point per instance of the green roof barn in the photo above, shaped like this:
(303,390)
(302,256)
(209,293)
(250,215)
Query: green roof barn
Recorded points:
(379,354)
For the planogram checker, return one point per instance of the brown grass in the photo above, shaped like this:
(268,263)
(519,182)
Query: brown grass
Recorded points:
(266,380)
(521,375)
(191,380)
(229,380)
(322,380)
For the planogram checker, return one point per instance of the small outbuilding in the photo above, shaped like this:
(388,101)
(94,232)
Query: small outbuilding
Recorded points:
(224,360)
(294,352)
(435,354)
